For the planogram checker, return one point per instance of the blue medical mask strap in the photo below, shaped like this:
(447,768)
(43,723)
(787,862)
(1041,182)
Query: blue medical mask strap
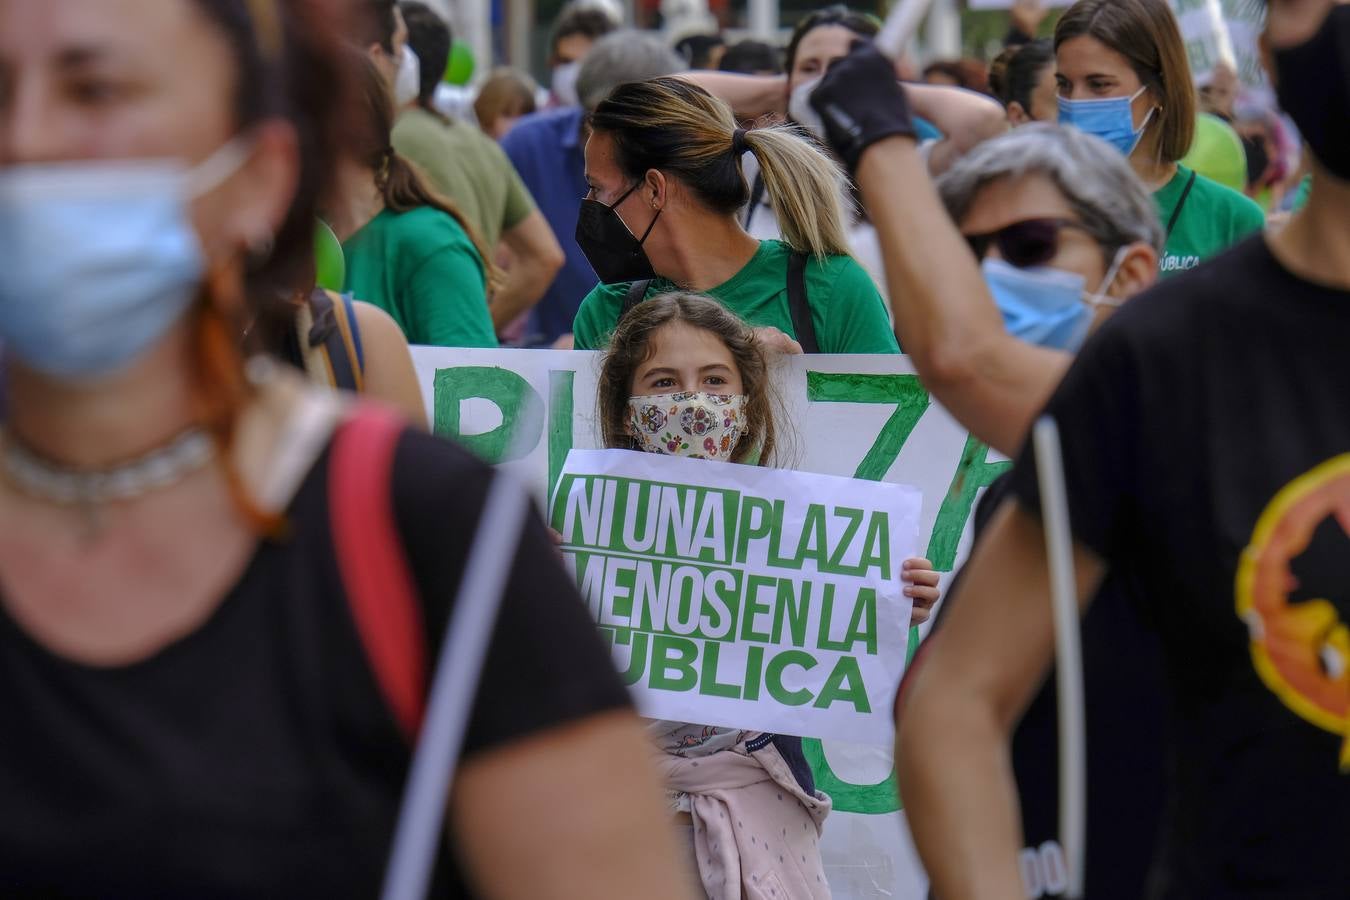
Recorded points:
(213,171)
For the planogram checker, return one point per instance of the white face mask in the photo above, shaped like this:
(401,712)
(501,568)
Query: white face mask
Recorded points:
(564,83)
(801,111)
(100,258)
(408,82)
(695,424)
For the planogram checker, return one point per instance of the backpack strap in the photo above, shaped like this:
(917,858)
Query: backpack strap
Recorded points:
(636,292)
(799,305)
(330,340)
(376,576)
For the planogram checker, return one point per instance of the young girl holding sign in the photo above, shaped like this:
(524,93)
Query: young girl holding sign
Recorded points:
(684,358)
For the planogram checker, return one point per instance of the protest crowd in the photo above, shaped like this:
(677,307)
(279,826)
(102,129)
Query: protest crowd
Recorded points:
(426,482)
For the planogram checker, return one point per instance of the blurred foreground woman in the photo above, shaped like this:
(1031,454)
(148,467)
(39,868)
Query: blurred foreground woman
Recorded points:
(188,710)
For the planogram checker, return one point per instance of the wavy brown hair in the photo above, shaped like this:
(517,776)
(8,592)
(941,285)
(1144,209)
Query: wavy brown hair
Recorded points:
(401,184)
(631,346)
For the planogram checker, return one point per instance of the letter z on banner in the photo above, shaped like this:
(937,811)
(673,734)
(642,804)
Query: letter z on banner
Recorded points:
(742,596)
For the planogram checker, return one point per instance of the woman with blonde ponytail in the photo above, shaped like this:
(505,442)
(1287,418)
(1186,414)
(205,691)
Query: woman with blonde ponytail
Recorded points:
(664,171)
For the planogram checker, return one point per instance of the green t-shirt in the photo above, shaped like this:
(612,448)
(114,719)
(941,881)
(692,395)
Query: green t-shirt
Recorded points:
(422,269)
(1212,219)
(849,314)
(468,167)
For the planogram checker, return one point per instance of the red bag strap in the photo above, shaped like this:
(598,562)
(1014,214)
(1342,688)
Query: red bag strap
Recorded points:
(374,568)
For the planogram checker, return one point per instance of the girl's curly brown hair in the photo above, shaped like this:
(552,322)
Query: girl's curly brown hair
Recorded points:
(631,345)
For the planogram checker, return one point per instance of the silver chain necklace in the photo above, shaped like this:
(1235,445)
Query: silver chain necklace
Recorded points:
(90,488)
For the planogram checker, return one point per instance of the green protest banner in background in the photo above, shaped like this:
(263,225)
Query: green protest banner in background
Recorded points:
(741,596)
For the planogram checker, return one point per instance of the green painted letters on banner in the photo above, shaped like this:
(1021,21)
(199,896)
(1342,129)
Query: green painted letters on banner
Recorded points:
(905,391)
(521,406)
(560,403)
(975,471)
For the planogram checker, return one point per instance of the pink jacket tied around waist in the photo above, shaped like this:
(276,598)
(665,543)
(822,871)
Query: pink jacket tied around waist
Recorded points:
(756,832)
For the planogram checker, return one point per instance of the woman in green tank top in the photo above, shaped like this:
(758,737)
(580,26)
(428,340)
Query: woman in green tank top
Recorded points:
(1123,76)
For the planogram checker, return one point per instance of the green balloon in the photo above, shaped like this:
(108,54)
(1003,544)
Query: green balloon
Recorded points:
(330,266)
(1217,153)
(459,67)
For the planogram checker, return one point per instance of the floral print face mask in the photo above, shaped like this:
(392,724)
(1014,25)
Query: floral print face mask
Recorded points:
(692,423)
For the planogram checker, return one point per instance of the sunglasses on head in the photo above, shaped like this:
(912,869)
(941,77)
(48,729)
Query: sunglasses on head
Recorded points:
(1031,242)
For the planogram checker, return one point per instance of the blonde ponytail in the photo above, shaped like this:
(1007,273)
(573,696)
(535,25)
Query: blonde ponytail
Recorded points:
(678,128)
(806,188)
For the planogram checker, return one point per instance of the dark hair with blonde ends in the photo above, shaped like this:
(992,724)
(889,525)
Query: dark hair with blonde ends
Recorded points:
(1145,32)
(681,130)
(631,345)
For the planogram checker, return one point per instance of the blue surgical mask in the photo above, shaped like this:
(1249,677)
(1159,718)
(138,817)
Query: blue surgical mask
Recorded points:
(1048,307)
(99,257)
(1111,119)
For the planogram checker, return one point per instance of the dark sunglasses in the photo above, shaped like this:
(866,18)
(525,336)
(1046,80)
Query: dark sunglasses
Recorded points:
(1031,242)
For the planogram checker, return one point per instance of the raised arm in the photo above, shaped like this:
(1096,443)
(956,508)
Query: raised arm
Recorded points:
(749,96)
(945,318)
(944,315)
(965,118)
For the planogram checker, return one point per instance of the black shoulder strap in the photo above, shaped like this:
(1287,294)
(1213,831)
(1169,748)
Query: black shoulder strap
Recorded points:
(332,331)
(636,291)
(800,305)
(756,198)
(1176,213)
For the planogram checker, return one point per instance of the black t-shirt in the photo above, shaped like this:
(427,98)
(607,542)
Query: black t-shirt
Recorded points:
(1125,696)
(1206,436)
(255,757)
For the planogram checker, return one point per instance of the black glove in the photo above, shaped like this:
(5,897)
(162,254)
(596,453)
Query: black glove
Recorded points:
(860,102)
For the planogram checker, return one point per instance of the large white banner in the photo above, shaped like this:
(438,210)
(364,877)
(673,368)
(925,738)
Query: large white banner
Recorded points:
(864,417)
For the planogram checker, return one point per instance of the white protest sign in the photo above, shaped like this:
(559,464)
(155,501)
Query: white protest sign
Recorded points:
(1246,19)
(744,596)
(1206,36)
(859,416)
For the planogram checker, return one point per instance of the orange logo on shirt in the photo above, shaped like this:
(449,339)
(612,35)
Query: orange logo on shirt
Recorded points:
(1300,642)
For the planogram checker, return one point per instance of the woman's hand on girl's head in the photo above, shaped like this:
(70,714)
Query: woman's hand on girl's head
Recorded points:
(775,340)
(921,586)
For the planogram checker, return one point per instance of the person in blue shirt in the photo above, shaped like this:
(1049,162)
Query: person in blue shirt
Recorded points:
(546,149)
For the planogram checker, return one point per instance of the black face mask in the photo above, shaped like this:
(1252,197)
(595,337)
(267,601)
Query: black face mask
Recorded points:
(1314,89)
(611,249)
